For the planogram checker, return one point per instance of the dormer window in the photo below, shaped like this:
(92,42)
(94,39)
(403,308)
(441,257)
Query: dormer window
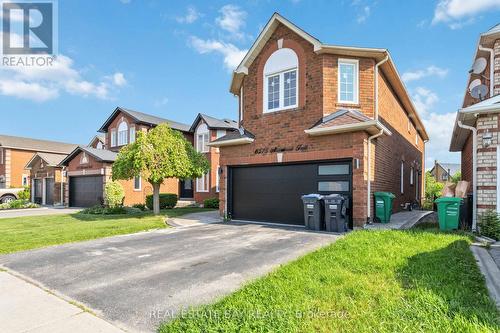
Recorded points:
(281,81)
(99,145)
(122,134)
(348,83)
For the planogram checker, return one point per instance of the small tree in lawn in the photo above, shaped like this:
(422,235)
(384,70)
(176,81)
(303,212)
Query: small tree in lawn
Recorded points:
(157,155)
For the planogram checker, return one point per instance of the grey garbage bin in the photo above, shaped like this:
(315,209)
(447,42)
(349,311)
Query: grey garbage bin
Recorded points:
(335,212)
(313,211)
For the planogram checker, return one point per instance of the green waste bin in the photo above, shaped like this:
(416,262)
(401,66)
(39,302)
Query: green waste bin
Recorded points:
(448,212)
(383,206)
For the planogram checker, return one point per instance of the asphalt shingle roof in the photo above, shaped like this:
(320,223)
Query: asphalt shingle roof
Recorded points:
(36,144)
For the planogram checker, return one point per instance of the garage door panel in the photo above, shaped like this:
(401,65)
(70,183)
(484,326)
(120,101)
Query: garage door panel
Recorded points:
(272,193)
(85,191)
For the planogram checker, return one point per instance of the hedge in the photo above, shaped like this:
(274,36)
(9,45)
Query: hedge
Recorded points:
(167,200)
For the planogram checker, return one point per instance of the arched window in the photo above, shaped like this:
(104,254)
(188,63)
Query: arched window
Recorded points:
(202,138)
(122,134)
(281,80)
(84,159)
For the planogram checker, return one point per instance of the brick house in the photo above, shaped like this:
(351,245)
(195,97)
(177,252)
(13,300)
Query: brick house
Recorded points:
(317,118)
(205,130)
(47,179)
(477,126)
(442,172)
(16,152)
(98,141)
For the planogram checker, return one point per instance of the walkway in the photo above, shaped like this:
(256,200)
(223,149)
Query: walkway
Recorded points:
(401,220)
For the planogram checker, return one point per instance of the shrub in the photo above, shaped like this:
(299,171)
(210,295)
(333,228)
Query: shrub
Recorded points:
(167,200)
(489,225)
(24,194)
(101,210)
(18,204)
(114,194)
(133,210)
(140,206)
(211,203)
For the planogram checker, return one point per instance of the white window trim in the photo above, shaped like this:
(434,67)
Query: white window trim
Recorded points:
(126,131)
(140,184)
(354,62)
(132,134)
(402,178)
(412,175)
(282,90)
(25,176)
(114,138)
(241,103)
(217,179)
(204,181)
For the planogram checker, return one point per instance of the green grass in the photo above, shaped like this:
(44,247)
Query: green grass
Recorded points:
(370,281)
(24,233)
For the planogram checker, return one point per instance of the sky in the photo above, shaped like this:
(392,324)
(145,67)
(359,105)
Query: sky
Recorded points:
(174,59)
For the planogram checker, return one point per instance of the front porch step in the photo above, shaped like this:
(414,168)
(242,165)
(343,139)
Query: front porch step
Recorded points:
(185,203)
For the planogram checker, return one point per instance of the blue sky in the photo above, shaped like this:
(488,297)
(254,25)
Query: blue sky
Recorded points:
(174,59)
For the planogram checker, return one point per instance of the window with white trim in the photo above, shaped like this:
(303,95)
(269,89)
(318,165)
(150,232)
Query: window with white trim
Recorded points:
(25,180)
(281,81)
(402,177)
(132,134)
(122,134)
(202,183)
(411,176)
(84,159)
(348,82)
(99,145)
(416,139)
(220,134)
(217,179)
(202,138)
(1,156)
(113,138)
(137,183)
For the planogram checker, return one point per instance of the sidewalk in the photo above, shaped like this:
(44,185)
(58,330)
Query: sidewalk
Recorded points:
(194,219)
(401,220)
(26,308)
(489,264)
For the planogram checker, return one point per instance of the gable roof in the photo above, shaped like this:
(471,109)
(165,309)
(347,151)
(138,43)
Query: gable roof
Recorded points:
(49,158)
(101,137)
(102,155)
(214,123)
(22,143)
(143,118)
(379,54)
(453,167)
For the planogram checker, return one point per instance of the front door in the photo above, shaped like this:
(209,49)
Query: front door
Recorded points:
(49,191)
(186,188)
(38,191)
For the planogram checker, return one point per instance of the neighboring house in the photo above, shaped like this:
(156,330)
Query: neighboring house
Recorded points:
(480,113)
(16,152)
(443,172)
(47,179)
(98,141)
(207,129)
(317,118)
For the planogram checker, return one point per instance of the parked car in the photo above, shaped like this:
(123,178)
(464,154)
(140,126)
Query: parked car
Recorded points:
(9,194)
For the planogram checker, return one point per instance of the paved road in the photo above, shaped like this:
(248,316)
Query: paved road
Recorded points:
(36,212)
(136,281)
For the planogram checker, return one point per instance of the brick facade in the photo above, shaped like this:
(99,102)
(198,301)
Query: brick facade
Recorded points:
(317,89)
(42,171)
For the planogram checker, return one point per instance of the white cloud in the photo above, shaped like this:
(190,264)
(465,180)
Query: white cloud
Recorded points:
(452,11)
(119,79)
(42,83)
(190,17)
(232,19)
(232,54)
(421,73)
(424,100)
(364,14)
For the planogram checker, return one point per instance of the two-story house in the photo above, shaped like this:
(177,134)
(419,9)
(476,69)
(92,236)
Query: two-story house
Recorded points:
(16,152)
(443,172)
(477,126)
(318,118)
(207,129)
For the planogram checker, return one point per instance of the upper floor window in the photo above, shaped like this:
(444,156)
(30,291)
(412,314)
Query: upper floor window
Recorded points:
(202,137)
(99,145)
(137,183)
(132,134)
(348,81)
(281,81)
(113,138)
(122,134)
(1,156)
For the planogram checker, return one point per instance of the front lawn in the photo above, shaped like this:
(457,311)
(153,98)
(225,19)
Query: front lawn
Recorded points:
(24,233)
(370,281)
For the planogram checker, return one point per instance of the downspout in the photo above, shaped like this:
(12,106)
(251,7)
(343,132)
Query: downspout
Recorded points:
(492,67)
(376,84)
(62,185)
(369,172)
(474,172)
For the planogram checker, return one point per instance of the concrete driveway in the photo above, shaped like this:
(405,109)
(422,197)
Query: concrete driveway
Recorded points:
(136,281)
(36,212)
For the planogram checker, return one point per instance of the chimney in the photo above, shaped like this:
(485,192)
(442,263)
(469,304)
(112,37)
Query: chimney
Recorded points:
(496,75)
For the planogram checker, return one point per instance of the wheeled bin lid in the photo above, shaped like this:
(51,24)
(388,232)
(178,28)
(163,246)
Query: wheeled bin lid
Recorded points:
(312,196)
(384,194)
(448,199)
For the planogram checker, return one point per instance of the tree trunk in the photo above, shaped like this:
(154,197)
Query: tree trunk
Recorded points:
(156,199)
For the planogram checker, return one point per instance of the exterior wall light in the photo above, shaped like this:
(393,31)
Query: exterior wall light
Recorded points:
(487,138)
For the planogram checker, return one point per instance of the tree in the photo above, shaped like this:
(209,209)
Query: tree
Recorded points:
(456,177)
(157,155)
(432,187)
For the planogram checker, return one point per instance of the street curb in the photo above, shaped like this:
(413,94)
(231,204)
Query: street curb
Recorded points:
(490,271)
